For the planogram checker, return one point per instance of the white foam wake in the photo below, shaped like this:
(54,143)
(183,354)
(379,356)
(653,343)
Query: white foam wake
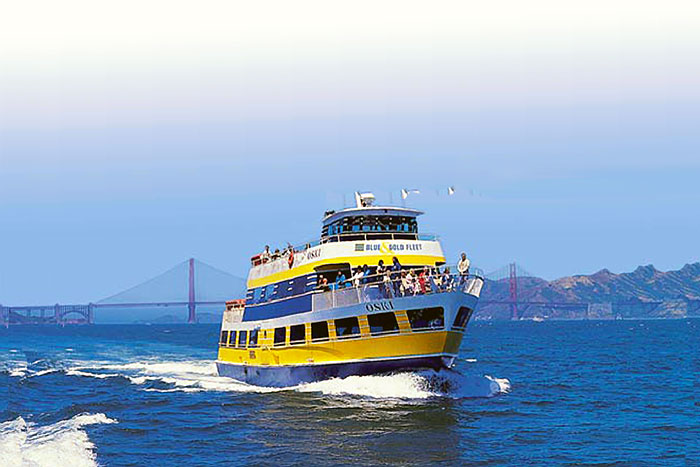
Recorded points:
(182,376)
(62,444)
(198,375)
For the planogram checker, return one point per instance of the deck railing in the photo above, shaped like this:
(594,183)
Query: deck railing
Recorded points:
(344,237)
(392,285)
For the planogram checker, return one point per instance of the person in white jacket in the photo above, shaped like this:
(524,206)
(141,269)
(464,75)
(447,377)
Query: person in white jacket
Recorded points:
(463,269)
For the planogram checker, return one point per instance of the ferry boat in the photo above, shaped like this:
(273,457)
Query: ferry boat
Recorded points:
(372,295)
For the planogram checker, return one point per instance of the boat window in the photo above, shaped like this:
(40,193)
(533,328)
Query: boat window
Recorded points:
(462,317)
(268,293)
(426,319)
(232,339)
(280,336)
(224,338)
(347,328)
(242,338)
(299,285)
(319,331)
(253,339)
(257,294)
(382,323)
(297,334)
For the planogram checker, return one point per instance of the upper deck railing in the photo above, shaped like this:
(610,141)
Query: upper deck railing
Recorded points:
(394,284)
(257,260)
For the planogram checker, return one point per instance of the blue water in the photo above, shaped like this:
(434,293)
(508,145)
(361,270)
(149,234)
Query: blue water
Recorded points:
(551,393)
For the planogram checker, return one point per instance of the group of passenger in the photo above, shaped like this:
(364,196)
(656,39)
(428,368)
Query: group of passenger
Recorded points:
(266,256)
(396,281)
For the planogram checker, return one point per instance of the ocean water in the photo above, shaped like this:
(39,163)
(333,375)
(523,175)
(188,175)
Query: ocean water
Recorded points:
(552,393)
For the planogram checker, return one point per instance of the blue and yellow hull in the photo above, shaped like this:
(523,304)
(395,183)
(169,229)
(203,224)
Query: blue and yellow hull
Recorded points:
(404,348)
(285,376)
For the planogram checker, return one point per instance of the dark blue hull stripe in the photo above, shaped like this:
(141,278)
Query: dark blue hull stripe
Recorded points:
(285,376)
(284,307)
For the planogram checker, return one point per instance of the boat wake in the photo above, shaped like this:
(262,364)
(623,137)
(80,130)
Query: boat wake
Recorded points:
(198,376)
(62,444)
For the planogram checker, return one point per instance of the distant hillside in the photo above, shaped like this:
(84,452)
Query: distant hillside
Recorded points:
(644,293)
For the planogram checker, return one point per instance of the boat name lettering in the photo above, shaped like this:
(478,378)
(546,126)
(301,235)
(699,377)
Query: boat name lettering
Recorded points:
(313,254)
(380,306)
(392,247)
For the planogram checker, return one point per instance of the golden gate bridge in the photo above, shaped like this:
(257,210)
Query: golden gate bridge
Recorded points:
(193,283)
(201,283)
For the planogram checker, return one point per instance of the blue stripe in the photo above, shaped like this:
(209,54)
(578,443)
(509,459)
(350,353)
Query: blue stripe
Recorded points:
(277,309)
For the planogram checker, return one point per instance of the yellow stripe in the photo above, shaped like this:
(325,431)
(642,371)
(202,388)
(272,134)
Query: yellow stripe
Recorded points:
(395,345)
(413,260)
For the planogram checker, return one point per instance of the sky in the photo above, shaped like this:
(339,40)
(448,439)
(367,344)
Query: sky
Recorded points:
(134,135)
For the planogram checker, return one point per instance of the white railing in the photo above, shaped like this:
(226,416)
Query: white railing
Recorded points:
(394,285)
(346,236)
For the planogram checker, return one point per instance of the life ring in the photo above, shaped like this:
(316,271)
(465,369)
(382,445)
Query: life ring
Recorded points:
(291,258)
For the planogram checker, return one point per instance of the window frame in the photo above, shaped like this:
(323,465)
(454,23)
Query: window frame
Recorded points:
(320,339)
(428,327)
(348,336)
(396,330)
(467,314)
(232,337)
(243,333)
(275,343)
(251,333)
(303,334)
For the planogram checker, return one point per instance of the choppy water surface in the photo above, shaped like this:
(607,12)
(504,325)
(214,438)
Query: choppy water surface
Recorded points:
(566,393)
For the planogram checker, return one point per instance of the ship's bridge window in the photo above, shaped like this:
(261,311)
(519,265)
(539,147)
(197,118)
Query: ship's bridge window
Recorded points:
(426,319)
(371,224)
(242,338)
(319,331)
(224,338)
(383,323)
(280,336)
(347,328)
(462,317)
(253,338)
(297,334)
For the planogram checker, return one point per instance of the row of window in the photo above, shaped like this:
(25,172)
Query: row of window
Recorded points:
(371,224)
(292,287)
(424,319)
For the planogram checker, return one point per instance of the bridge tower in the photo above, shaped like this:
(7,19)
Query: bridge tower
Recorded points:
(192,318)
(513,281)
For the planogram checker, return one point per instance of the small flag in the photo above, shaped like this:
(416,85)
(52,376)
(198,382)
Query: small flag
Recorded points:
(450,190)
(405,193)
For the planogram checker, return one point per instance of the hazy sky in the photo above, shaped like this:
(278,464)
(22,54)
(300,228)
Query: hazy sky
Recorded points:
(136,134)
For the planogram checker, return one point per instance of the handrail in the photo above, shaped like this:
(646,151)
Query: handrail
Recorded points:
(389,287)
(346,236)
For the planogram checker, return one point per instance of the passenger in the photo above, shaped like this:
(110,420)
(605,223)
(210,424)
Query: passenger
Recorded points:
(379,277)
(380,269)
(388,289)
(340,281)
(357,277)
(265,255)
(365,274)
(446,279)
(416,284)
(322,283)
(463,269)
(396,275)
(406,283)
(435,280)
(276,254)
(423,280)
